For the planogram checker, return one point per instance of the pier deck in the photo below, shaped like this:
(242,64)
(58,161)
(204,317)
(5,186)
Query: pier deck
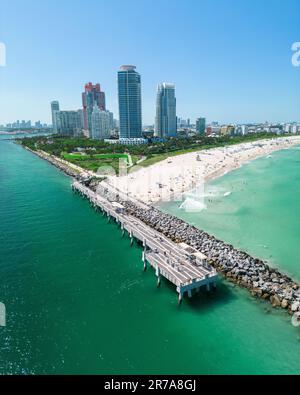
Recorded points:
(181,266)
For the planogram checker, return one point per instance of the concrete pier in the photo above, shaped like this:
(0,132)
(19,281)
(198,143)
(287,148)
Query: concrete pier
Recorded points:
(180,264)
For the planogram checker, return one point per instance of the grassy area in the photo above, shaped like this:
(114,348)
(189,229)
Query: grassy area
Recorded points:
(95,161)
(98,153)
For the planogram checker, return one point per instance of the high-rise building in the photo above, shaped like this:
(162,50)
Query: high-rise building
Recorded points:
(68,123)
(92,95)
(165,121)
(101,124)
(54,109)
(81,117)
(200,125)
(130,102)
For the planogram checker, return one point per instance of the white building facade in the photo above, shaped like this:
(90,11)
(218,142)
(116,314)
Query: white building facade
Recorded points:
(101,124)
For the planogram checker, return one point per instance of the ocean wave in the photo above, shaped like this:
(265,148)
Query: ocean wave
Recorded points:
(192,205)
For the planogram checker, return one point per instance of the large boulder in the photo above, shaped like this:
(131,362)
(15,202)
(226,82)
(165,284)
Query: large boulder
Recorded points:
(275,301)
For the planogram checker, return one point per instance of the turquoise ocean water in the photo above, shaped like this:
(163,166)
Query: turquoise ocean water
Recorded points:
(78,301)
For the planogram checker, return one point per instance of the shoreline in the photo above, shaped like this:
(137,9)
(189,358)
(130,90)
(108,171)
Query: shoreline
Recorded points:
(238,267)
(171,178)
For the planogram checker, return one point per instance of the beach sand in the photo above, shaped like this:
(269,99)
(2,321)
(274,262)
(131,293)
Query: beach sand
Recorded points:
(169,179)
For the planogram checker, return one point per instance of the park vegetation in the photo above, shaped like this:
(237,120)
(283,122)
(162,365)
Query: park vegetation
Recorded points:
(91,154)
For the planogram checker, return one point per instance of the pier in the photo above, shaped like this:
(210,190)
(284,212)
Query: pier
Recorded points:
(179,263)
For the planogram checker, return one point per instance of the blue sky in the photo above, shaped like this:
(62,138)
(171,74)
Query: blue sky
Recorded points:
(230,59)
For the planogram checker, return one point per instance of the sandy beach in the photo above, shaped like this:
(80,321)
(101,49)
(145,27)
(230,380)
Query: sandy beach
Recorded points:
(170,179)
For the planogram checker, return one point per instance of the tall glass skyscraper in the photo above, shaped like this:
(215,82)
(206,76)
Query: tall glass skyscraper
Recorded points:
(130,102)
(54,110)
(165,121)
(200,125)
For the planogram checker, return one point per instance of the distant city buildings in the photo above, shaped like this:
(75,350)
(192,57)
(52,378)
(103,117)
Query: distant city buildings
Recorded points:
(227,130)
(92,95)
(54,110)
(183,123)
(165,121)
(24,125)
(130,103)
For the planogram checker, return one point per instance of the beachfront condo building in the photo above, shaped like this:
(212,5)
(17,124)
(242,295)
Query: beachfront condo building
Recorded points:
(165,121)
(101,124)
(92,95)
(68,123)
(130,102)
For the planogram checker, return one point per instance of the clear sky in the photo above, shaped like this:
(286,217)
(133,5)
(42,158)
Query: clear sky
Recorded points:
(230,59)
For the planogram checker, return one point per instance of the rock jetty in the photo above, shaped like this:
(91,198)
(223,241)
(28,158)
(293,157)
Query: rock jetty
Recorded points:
(236,266)
(57,163)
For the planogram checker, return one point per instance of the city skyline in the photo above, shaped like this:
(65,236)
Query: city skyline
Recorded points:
(235,72)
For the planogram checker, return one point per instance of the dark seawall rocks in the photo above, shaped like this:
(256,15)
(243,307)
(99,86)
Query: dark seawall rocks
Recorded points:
(237,266)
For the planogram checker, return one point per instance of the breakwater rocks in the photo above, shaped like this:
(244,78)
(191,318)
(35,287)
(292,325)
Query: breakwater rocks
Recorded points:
(237,266)
(57,163)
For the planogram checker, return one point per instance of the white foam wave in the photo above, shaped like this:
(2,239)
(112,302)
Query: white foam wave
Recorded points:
(192,205)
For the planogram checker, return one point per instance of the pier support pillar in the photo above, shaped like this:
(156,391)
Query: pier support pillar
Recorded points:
(158,281)
(158,276)
(190,293)
(180,297)
(208,287)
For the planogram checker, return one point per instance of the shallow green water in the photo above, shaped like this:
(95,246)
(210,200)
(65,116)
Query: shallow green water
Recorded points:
(78,302)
